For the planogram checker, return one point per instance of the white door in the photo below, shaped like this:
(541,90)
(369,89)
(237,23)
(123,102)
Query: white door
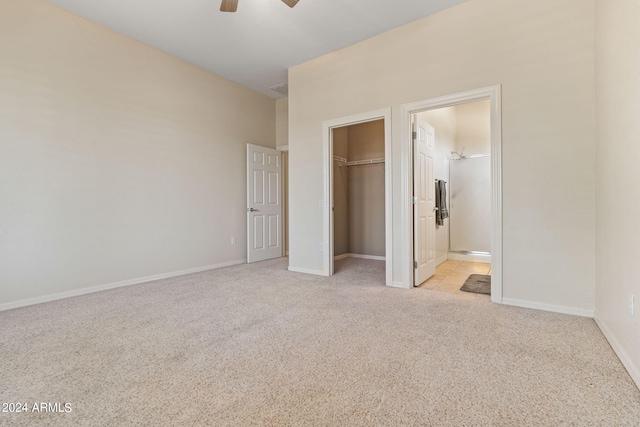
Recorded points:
(424,208)
(264,203)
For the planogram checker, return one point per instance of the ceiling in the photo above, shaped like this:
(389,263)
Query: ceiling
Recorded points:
(254,46)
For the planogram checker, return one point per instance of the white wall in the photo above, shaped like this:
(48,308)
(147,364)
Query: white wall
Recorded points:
(117,161)
(542,53)
(618,152)
(473,128)
(282,122)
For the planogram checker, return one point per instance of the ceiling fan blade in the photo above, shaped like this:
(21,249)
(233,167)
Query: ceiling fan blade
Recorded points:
(229,5)
(290,3)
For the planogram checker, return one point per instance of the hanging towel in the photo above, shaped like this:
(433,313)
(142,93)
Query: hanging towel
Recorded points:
(441,202)
(438,218)
(444,212)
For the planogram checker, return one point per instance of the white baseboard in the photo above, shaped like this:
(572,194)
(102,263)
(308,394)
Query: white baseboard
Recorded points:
(548,307)
(627,361)
(306,271)
(442,259)
(398,285)
(374,257)
(98,288)
(455,256)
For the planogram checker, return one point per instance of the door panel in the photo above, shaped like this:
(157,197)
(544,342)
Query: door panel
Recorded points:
(274,223)
(424,201)
(274,188)
(264,204)
(258,187)
(258,232)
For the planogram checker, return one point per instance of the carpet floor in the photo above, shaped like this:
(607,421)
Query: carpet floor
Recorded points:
(259,345)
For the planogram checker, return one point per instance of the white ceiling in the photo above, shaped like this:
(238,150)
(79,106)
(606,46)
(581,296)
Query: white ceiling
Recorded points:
(254,46)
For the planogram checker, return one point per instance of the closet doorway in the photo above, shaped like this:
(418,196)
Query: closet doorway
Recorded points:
(357,189)
(358,192)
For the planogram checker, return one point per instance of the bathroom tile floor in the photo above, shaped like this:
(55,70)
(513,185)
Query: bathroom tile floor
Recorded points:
(450,276)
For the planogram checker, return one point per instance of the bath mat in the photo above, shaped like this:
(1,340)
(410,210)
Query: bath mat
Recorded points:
(477,283)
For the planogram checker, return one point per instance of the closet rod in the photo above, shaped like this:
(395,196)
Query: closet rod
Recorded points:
(362,162)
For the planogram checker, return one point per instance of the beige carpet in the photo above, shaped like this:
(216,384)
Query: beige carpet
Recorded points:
(258,345)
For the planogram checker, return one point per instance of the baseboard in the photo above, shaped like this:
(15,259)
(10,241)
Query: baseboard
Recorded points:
(361,256)
(374,257)
(548,307)
(469,257)
(307,271)
(398,285)
(627,361)
(442,259)
(98,288)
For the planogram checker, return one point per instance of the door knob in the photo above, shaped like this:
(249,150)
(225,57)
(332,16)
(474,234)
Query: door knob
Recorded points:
(253,210)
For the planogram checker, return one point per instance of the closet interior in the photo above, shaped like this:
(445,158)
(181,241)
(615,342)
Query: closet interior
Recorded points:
(359,191)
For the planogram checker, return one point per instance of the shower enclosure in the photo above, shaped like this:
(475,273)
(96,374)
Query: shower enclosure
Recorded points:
(470,207)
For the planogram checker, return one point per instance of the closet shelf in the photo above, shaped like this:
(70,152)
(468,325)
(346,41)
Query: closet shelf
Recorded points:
(344,162)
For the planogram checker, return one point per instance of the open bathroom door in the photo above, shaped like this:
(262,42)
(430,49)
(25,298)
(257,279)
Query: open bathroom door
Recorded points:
(424,204)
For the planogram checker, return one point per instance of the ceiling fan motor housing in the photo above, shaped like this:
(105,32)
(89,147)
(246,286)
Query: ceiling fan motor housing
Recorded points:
(232,5)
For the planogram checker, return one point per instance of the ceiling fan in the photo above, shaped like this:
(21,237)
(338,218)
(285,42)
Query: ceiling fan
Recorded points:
(232,5)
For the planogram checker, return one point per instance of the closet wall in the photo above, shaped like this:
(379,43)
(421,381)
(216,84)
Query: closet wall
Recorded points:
(359,216)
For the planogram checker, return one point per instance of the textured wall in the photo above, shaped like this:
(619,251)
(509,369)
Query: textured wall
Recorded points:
(618,151)
(118,161)
(542,54)
(473,128)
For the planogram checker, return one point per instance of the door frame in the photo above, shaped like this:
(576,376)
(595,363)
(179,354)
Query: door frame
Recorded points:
(327,201)
(493,94)
(285,198)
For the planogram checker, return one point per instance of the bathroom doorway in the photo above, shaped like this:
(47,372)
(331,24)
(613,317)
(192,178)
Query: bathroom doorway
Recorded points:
(462,173)
(467,168)
(463,163)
